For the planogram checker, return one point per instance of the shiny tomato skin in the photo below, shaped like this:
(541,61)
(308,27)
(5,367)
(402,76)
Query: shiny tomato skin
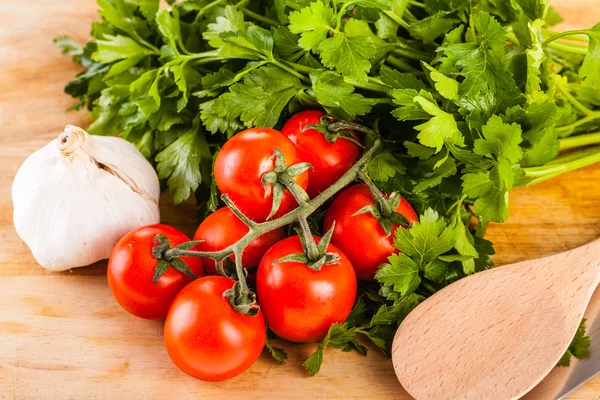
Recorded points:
(300,304)
(131,268)
(223,228)
(330,160)
(241,163)
(206,338)
(361,236)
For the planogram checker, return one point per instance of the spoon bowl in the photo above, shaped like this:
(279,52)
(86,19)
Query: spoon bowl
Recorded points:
(498,333)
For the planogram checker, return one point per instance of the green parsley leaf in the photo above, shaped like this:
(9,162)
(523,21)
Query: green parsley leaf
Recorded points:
(426,239)
(431,27)
(579,347)
(438,130)
(278,354)
(589,69)
(338,97)
(500,139)
(259,100)
(117,48)
(313,363)
(312,23)
(179,163)
(402,273)
(384,166)
(446,87)
(348,55)
(399,80)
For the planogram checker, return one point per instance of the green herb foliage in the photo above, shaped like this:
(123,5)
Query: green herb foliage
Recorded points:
(472,98)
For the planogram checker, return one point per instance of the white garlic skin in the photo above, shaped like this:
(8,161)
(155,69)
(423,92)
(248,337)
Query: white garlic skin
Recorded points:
(77,196)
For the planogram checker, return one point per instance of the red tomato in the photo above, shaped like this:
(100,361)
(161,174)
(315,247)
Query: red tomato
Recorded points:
(131,268)
(330,160)
(299,303)
(223,228)
(206,338)
(361,236)
(241,163)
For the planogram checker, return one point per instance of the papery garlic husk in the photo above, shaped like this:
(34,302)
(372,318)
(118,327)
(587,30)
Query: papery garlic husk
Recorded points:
(77,196)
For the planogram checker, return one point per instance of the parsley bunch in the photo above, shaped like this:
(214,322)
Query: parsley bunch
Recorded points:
(471,98)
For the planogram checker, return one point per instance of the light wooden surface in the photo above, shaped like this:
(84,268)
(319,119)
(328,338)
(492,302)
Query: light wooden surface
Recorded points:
(62,336)
(496,334)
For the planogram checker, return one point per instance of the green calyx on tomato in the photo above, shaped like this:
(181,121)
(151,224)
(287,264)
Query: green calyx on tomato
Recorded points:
(241,299)
(317,260)
(159,252)
(335,132)
(385,209)
(282,178)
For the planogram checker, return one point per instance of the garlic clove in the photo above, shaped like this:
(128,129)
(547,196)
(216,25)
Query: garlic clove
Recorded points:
(77,196)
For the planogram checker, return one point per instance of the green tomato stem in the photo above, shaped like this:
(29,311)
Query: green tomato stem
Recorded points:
(305,209)
(312,252)
(380,199)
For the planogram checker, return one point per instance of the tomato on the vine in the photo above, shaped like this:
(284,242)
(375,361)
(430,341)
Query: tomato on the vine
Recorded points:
(299,303)
(222,229)
(241,164)
(206,338)
(131,269)
(329,160)
(361,236)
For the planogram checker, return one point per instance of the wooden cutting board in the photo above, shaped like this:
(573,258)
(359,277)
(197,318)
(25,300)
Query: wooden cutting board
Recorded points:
(62,336)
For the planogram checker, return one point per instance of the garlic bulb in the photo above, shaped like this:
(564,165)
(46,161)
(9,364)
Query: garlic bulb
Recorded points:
(77,196)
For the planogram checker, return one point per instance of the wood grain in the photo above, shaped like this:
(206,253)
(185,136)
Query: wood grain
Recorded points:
(62,336)
(498,333)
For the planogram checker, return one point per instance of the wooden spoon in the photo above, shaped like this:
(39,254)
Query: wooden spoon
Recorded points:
(498,333)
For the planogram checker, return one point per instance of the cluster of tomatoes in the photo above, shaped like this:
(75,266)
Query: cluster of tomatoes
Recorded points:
(204,335)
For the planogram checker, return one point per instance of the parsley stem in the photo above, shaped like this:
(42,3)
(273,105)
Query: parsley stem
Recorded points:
(591,156)
(401,65)
(580,37)
(570,97)
(573,142)
(207,7)
(416,4)
(204,54)
(301,68)
(563,34)
(259,17)
(290,70)
(566,130)
(574,155)
(396,19)
(367,86)
(242,4)
(341,13)
(567,47)
(293,4)
(414,55)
